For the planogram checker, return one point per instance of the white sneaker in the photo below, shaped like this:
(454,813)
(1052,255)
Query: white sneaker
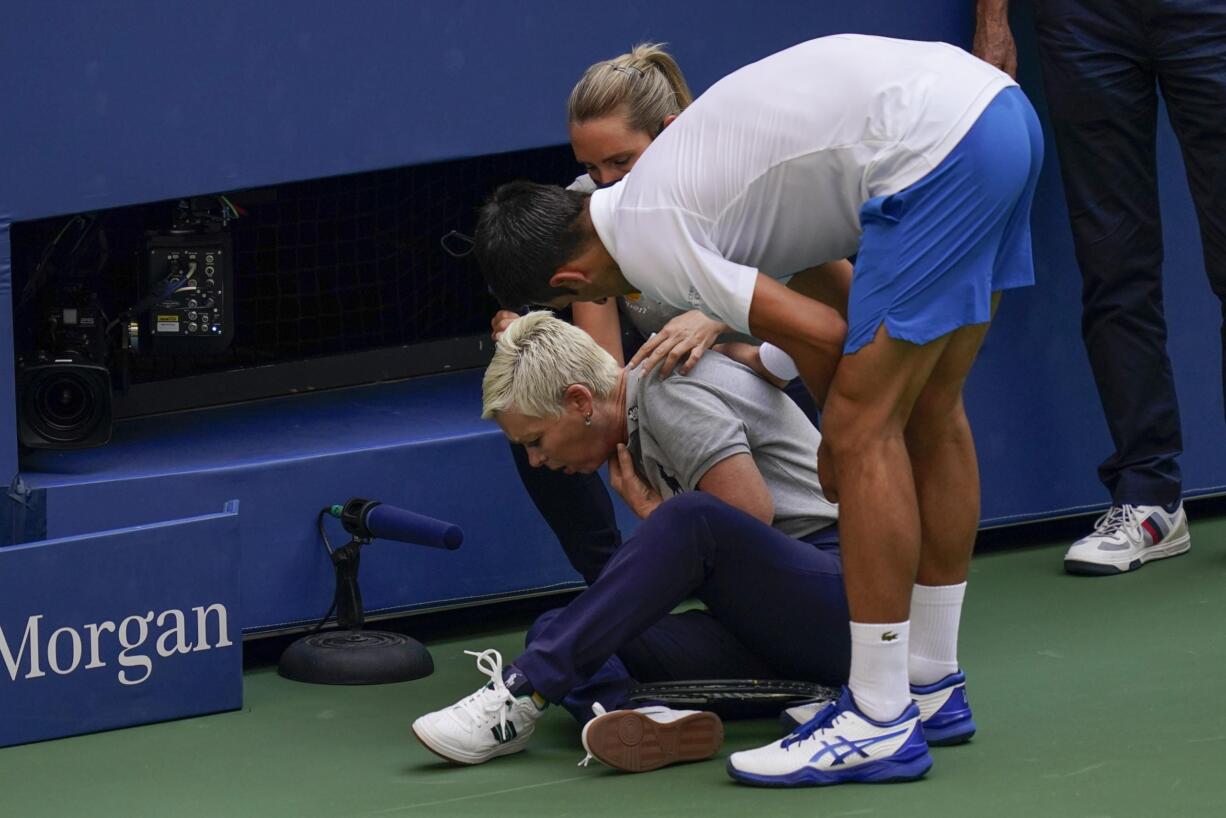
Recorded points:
(489,723)
(839,745)
(649,738)
(1127,537)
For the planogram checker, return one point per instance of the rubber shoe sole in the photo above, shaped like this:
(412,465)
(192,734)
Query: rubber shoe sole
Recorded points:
(950,735)
(631,742)
(884,771)
(469,760)
(1085,568)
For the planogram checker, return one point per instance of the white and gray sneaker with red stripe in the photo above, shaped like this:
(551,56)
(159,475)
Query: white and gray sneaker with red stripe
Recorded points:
(1127,537)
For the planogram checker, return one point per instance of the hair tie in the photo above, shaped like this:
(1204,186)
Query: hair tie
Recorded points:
(627,69)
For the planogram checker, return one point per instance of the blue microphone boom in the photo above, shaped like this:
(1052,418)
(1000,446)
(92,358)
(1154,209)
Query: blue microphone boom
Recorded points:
(370,519)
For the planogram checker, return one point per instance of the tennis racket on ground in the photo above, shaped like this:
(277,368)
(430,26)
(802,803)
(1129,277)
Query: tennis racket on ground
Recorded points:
(732,698)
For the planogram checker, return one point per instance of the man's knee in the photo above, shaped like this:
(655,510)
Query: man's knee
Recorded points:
(937,419)
(850,426)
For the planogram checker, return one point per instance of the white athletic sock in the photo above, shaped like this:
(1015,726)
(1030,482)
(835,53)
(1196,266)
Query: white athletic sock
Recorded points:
(936,611)
(878,678)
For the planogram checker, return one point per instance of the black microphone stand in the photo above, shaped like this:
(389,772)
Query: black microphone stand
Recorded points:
(350,655)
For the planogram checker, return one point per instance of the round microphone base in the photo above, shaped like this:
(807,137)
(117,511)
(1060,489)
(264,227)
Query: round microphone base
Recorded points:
(355,657)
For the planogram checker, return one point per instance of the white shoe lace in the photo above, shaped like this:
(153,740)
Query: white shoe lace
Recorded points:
(491,698)
(599,710)
(1117,519)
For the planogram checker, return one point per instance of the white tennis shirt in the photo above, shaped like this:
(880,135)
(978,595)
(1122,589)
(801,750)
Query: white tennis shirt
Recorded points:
(768,169)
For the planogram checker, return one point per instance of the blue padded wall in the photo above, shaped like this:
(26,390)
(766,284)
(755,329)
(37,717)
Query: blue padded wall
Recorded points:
(120,627)
(114,104)
(144,100)
(417,444)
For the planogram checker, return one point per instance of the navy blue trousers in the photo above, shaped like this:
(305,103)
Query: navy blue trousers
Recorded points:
(1103,64)
(776,608)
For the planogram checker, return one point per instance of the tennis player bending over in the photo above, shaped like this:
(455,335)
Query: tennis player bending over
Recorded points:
(921,161)
(733,515)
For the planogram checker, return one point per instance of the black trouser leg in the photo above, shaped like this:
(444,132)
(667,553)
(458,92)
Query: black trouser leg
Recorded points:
(1100,82)
(1190,54)
(578,509)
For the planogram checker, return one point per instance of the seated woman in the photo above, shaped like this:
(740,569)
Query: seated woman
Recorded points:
(719,464)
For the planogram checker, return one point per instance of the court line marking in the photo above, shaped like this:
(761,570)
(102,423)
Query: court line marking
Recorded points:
(1082,771)
(470,797)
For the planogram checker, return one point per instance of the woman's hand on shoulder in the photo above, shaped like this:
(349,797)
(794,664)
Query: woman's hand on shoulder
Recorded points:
(680,344)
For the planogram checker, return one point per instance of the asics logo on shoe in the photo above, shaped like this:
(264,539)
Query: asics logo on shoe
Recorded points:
(503,736)
(889,636)
(843,748)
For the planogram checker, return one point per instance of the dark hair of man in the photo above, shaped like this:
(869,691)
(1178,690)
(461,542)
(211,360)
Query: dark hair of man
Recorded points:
(524,234)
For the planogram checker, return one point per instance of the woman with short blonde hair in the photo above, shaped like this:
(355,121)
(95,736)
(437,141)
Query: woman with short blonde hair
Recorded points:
(719,467)
(534,362)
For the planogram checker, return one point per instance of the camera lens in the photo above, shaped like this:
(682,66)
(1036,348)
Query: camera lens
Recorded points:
(67,406)
(64,401)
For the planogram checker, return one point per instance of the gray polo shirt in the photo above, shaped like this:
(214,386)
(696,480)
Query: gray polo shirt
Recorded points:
(681,426)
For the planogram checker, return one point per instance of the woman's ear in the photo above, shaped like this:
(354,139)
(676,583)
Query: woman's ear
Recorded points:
(578,397)
(668,120)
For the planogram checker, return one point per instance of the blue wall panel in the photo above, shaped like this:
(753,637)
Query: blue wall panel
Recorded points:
(131,102)
(418,444)
(112,104)
(8,399)
(120,628)
(287,577)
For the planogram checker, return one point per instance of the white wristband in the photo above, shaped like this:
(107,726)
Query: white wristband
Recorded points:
(777,362)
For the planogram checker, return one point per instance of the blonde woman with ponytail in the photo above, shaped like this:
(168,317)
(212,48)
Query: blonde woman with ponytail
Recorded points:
(620,105)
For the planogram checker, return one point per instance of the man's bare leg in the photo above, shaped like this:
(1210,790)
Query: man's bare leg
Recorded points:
(865,419)
(864,422)
(943,463)
(865,459)
(946,475)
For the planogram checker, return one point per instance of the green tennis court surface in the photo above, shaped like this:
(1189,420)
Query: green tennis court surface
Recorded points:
(1094,697)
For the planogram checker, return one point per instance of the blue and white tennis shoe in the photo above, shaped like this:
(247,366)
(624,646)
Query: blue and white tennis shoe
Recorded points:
(944,711)
(839,745)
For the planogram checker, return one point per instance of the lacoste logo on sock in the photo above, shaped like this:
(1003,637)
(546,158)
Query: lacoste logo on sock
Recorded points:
(889,636)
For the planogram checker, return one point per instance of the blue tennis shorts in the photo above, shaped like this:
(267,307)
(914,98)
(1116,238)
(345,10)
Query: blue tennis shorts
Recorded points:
(932,254)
